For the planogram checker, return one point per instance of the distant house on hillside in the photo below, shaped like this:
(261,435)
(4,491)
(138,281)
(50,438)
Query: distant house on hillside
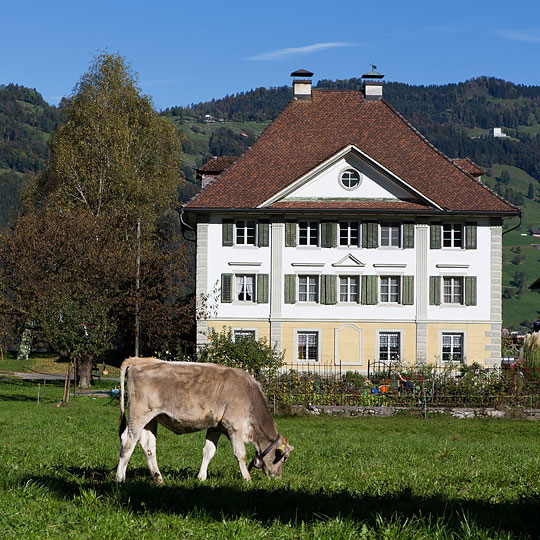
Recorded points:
(342,236)
(497,132)
(209,119)
(535,232)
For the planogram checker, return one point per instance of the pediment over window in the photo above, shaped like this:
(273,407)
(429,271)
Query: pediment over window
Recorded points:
(349,261)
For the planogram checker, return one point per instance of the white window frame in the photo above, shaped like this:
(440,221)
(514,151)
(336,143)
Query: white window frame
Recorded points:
(453,281)
(380,333)
(254,290)
(349,278)
(348,226)
(392,242)
(297,335)
(350,171)
(389,293)
(253,331)
(311,226)
(310,279)
(241,227)
(450,234)
(463,335)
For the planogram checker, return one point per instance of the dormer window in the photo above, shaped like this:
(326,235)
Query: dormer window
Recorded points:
(350,179)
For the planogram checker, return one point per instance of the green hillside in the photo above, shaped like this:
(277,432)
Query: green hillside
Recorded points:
(521,259)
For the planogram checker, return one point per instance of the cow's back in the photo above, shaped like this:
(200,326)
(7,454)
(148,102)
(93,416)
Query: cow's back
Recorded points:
(190,396)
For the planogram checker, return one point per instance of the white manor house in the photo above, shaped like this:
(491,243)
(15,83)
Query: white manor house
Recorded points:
(343,236)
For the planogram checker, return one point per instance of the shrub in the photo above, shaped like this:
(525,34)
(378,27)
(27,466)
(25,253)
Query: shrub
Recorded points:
(255,356)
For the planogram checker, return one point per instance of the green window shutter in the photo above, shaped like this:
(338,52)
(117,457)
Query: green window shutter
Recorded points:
(227,232)
(370,293)
(290,234)
(263,234)
(408,235)
(370,234)
(470,291)
(328,234)
(470,235)
(262,288)
(290,288)
(435,236)
(407,294)
(434,290)
(226,288)
(328,289)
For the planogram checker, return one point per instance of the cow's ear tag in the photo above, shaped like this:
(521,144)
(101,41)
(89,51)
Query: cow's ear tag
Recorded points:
(282,447)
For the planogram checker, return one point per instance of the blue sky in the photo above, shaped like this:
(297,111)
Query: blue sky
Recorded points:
(189,51)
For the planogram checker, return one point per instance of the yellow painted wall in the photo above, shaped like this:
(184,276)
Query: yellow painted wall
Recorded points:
(475,340)
(262,327)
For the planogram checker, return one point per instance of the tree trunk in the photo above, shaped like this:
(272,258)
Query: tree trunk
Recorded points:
(84,370)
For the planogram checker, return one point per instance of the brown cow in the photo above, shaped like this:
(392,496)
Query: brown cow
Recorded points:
(189,396)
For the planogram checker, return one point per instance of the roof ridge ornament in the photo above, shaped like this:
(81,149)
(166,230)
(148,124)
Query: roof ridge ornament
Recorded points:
(373,84)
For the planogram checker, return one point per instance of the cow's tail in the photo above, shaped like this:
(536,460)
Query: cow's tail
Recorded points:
(123,368)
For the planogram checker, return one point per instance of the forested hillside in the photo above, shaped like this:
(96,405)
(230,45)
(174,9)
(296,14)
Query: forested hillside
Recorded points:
(26,122)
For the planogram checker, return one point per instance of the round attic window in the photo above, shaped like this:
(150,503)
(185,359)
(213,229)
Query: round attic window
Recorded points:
(350,179)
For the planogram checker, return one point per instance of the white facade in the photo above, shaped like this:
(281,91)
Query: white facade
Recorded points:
(438,308)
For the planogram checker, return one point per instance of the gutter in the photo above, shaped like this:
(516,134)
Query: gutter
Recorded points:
(367,212)
(185,226)
(517,226)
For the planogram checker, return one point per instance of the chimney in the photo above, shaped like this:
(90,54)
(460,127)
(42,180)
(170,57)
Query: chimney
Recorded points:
(302,87)
(373,85)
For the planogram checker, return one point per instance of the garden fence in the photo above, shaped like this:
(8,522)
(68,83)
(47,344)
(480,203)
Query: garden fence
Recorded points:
(403,386)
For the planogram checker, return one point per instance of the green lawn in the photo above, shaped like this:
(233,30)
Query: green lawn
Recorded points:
(395,478)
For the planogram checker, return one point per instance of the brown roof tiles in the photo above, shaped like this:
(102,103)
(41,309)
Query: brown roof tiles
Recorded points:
(308,132)
(216,165)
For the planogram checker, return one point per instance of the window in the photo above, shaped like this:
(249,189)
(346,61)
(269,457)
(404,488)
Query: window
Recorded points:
(348,289)
(244,334)
(453,290)
(390,289)
(308,288)
(245,232)
(452,347)
(308,346)
(390,235)
(308,233)
(389,346)
(350,179)
(452,235)
(245,288)
(349,233)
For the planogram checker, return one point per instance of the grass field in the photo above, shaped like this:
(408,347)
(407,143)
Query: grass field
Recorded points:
(356,478)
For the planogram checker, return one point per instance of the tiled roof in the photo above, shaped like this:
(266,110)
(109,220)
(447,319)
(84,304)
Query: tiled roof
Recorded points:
(351,205)
(309,132)
(216,165)
(470,166)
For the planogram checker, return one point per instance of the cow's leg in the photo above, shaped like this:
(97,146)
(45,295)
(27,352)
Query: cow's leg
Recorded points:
(128,440)
(209,450)
(239,449)
(148,444)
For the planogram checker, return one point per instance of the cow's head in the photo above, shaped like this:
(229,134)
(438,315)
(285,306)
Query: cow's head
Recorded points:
(273,461)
